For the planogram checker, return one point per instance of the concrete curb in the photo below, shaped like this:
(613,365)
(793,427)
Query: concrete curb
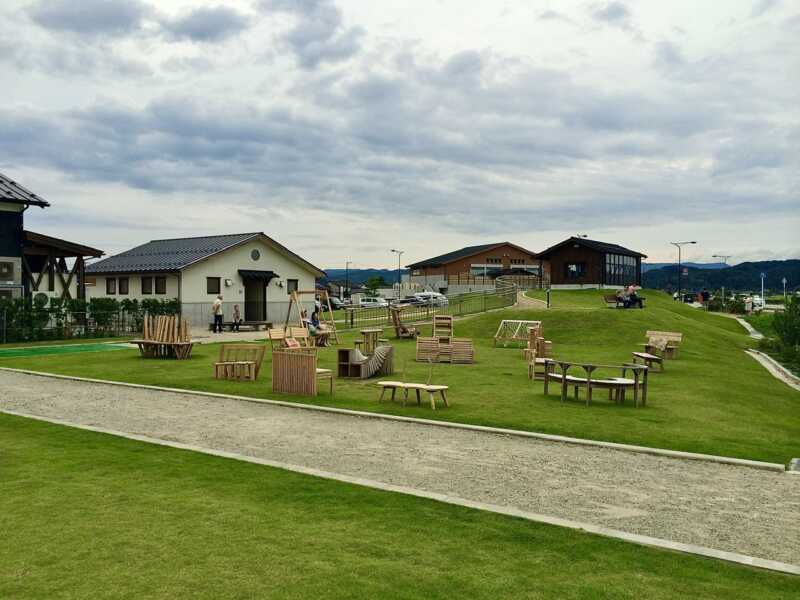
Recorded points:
(634,538)
(677,454)
(776,369)
(754,333)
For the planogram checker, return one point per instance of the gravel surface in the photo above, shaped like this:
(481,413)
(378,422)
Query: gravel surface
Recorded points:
(738,509)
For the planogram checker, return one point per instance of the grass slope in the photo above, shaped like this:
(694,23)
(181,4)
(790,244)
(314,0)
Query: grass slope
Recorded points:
(87,515)
(713,399)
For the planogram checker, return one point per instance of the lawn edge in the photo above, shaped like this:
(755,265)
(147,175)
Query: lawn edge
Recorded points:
(644,540)
(676,454)
(776,369)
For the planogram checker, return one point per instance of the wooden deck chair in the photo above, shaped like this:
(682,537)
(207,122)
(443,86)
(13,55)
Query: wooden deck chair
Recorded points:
(400,330)
(239,362)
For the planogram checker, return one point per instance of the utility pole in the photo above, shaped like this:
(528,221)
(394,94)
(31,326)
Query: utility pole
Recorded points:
(763,299)
(347,278)
(783,281)
(679,245)
(399,254)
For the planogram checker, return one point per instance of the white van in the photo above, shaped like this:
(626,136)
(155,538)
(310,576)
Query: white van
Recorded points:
(431,298)
(374,303)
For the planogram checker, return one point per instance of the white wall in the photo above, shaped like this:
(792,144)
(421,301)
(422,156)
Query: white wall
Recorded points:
(134,287)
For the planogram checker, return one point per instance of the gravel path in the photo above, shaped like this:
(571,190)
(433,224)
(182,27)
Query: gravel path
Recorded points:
(732,508)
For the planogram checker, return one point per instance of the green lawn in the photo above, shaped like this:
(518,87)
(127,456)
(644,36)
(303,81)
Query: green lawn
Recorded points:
(713,399)
(87,515)
(69,342)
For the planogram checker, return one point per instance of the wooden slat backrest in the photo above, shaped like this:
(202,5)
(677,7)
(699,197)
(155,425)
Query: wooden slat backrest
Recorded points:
(428,348)
(670,336)
(242,353)
(463,350)
(294,372)
(442,326)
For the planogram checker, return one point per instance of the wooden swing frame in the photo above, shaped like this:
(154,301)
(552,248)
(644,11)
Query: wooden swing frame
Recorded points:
(323,297)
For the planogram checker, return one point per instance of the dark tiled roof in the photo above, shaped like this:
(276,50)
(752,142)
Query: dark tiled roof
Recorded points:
(176,254)
(451,256)
(11,191)
(58,246)
(594,245)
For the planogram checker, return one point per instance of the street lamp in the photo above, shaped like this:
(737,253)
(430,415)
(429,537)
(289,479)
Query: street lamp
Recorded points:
(399,254)
(347,278)
(679,245)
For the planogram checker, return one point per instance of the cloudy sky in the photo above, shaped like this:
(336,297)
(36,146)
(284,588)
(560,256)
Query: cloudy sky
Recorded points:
(344,128)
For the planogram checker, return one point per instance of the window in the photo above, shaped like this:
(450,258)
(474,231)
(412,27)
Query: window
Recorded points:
(147,285)
(620,269)
(575,270)
(494,261)
(161,285)
(212,285)
(517,261)
(122,286)
(111,286)
(291,285)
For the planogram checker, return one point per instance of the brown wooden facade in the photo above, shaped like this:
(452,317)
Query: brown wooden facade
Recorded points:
(580,262)
(503,256)
(44,262)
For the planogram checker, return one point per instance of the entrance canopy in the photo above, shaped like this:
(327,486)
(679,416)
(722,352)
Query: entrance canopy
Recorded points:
(265,276)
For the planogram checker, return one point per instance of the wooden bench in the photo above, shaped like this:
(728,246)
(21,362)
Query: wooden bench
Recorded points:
(656,357)
(295,371)
(246,325)
(616,386)
(427,387)
(452,350)
(165,336)
(283,334)
(612,301)
(673,340)
(239,362)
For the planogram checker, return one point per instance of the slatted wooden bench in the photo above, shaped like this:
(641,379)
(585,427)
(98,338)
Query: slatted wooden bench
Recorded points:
(295,371)
(656,357)
(454,350)
(239,362)
(165,336)
(616,386)
(673,339)
(612,301)
(246,325)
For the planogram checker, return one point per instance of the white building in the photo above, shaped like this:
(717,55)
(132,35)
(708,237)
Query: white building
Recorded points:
(248,269)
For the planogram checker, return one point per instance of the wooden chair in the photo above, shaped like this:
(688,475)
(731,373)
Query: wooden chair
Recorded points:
(656,357)
(536,365)
(165,336)
(442,326)
(239,362)
(295,372)
(400,330)
(673,339)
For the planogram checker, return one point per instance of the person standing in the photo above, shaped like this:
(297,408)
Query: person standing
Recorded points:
(237,318)
(216,310)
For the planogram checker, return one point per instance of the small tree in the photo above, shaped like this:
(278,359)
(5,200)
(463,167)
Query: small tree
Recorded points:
(787,325)
(372,285)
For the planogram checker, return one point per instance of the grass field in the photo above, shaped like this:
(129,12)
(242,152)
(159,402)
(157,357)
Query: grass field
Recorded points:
(87,515)
(713,399)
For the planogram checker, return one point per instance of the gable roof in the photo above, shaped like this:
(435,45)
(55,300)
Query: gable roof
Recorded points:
(449,257)
(604,247)
(159,256)
(11,191)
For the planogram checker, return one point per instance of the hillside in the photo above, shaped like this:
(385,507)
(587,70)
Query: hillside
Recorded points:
(742,277)
(652,266)
(360,276)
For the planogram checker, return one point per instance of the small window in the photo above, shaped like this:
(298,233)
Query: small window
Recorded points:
(255,254)
(575,270)
(161,285)
(291,285)
(123,286)
(212,285)
(111,286)
(147,285)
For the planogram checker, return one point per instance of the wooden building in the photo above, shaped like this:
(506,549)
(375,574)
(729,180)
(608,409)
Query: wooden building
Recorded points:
(33,263)
(474,262)
(578,262)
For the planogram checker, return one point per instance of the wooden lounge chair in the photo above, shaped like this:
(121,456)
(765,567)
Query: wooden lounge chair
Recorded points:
(656,357)
(239,362)
(165,336)
(401,331)
(295,372)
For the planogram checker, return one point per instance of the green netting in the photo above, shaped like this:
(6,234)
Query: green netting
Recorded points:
(67,349)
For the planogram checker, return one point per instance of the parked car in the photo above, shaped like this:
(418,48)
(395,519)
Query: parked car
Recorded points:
(374,303)
(409,301)
(336,303)
(431,298)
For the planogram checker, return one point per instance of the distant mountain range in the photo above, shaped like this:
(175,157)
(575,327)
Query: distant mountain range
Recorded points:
(745,276)
(360,276)
(651,266)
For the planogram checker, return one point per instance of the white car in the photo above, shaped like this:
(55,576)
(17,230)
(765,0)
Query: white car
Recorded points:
(374,303)
(431,298)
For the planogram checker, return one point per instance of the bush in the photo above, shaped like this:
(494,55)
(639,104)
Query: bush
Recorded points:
(787,324)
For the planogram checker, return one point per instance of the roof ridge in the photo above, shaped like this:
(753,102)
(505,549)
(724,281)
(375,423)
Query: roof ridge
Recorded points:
(201,237)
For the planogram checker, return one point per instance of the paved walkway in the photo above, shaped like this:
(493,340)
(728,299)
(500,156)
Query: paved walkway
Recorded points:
(730,508)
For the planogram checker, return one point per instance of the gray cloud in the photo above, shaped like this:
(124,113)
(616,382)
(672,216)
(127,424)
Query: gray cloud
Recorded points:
(762,7)
(90,17)
(615,13)
(211,24)
(319,34)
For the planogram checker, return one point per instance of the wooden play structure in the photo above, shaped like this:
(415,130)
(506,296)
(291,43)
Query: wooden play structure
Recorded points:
(511,330)
(165,336)
(672,338)
(537,352)
(352,363)
(442,346)
(616,386)
(294,371)
(426,387)
(239,362)
(325,316)
(401,331)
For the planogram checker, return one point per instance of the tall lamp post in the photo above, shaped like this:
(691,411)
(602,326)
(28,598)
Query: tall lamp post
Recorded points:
(679,245)
(347,279)
(399,254)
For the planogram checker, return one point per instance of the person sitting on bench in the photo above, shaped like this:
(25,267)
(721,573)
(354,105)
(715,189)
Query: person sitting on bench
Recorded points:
(633,298)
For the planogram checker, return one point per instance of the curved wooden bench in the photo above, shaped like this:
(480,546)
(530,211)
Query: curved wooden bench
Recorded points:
(616,386)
